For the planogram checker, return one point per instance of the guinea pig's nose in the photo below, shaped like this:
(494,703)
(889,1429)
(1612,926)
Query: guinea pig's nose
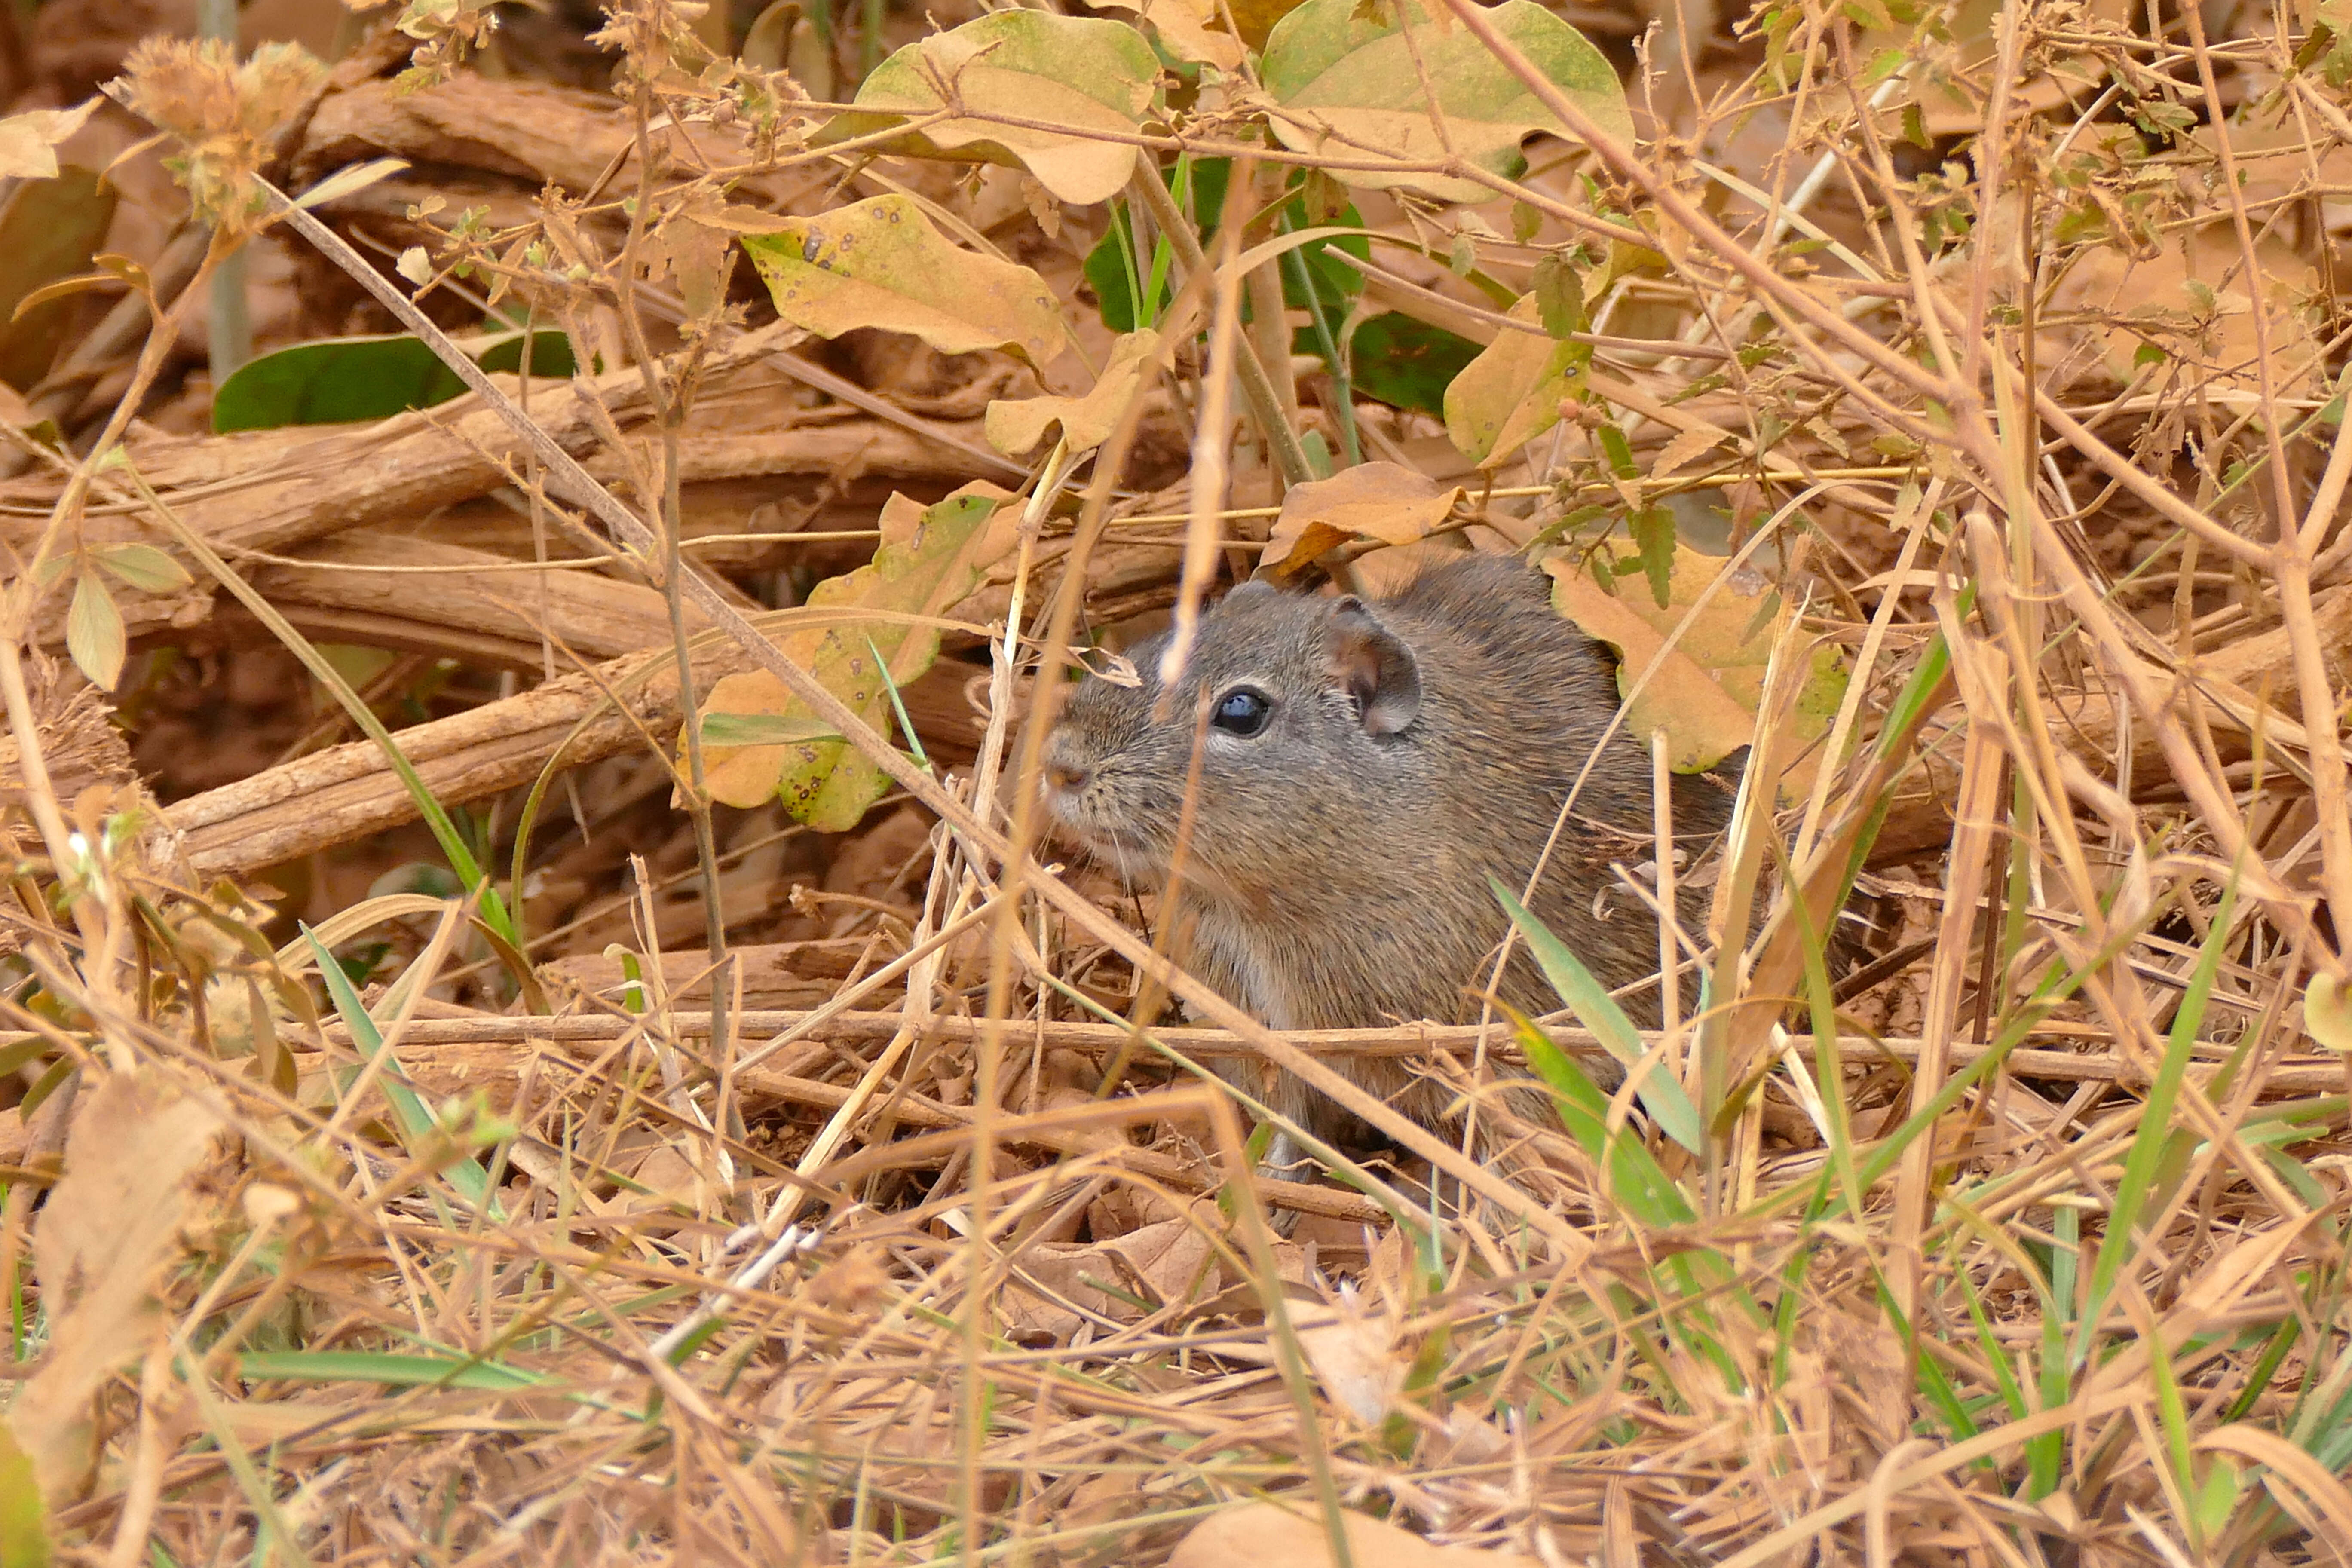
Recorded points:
(1066,776)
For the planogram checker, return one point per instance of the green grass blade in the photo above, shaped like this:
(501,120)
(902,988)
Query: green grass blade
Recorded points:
(1661,1095)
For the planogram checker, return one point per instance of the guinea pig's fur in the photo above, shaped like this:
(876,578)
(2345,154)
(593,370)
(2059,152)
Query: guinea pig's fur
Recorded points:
(1335,868)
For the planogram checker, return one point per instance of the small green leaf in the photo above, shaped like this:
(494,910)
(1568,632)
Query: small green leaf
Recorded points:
(144,567)
(1652,528)
(1560,296)
(94,635)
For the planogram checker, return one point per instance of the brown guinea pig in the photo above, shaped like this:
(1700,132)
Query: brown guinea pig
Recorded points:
(1362,769)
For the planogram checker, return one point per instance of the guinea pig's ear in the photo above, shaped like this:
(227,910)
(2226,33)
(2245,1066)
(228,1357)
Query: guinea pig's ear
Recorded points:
(1374,667)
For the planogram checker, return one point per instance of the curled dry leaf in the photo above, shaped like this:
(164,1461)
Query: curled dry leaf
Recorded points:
(1018,426)
(105,1236)
(1385,501)
(928,561)
(1070,78)
(28,142)
(1710,657)
(881,263)
(1292,1535)
(1348,78)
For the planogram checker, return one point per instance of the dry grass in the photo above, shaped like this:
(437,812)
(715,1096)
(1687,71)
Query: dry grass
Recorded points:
(714,1190)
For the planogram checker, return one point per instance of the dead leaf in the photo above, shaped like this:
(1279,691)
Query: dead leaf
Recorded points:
(2194,301)
(105,1236)
(1292,1535)
(1015,426)
(1351,1345)
(1066,76)
(1171,1261)
(1704,693)
(929,561)
(879,263)
(1511,392)
(28,142)
(1189,30)
(1372,500)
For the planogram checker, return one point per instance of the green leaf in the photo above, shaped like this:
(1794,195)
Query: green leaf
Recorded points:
(94,632)
(1660,1094)
(1080,75)
(345,380)
(1560,296)
(928,561)
(1652,528)
(144,567)
(764,730)
(1344,69)
(397,1369)
(881,263)
(1407,364)
(24,1521)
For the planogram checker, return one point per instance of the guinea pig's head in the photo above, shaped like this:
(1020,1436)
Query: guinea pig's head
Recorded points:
(1291,729)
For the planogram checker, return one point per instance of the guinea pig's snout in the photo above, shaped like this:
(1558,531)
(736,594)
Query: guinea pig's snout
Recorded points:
(1066,772)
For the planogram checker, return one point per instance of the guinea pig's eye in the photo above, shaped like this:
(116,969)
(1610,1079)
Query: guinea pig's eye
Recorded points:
(1243,713)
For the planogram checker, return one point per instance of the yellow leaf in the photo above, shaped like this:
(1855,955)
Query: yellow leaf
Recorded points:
(1704,693)
(2327,1012)
(1018,426)
(1372,500)
(881,263)
(1082,83)
(1511,392)
(929,561)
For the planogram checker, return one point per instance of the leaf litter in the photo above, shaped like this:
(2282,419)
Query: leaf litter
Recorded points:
(884,1231)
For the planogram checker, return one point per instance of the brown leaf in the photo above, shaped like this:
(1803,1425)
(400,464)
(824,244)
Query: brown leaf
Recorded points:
(1015,426)
(1372,500)
(28,142)
(105,1236)
(1291,1534)
(1704,694)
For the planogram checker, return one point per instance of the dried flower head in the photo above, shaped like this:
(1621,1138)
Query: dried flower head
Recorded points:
(222,112)
(445,31)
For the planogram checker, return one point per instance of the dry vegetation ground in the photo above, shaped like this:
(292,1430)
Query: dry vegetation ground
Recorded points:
(448,1122)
